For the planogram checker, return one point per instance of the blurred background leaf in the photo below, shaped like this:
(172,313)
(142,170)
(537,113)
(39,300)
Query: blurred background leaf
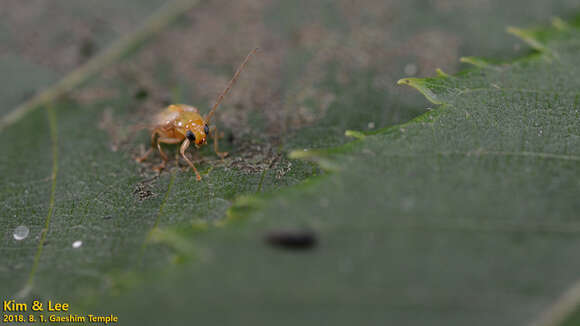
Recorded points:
(463,217)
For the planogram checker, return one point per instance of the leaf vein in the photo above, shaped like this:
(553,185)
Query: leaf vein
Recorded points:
(44,232)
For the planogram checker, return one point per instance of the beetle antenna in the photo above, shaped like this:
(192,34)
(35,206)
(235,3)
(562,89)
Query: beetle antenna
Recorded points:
(230,84)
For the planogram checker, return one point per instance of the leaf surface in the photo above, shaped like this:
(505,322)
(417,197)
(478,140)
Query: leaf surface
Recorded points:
(464,216)
(68,174)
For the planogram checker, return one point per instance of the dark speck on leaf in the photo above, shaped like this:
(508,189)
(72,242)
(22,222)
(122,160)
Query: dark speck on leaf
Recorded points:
(87,48)
(141,93)
(108,217)
(230,138)
(292,239)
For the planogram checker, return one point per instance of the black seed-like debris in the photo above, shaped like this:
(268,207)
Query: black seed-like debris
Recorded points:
(141,93)
(292,239)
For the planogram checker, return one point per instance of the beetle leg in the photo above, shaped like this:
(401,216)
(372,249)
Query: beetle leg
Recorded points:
(156,132)
(164,140)
(154,143)
(215,136)
(167,140)
(182,149)
(163,156)
(144,156)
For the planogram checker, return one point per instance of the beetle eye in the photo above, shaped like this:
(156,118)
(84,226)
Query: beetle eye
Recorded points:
(190,135)
(206,129)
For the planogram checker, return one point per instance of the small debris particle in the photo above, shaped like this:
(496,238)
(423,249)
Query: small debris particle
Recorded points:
(87,48)
(371,125)
(142,189)
(141,93)
(411,69)
(283,170)
(230,138)
(292,239)
(77,244)
(108,217)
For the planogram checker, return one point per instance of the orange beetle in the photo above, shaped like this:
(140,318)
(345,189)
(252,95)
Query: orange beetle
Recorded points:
(180,123)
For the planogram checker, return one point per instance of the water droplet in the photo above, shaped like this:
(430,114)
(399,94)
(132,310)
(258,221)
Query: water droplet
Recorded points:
(77,244)
(410,69)
(21,232)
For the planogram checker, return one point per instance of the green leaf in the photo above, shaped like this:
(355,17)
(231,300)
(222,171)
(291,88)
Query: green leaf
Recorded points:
(102,225)
(464,217)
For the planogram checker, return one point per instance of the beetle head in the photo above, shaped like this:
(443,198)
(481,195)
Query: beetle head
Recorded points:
(198,135)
